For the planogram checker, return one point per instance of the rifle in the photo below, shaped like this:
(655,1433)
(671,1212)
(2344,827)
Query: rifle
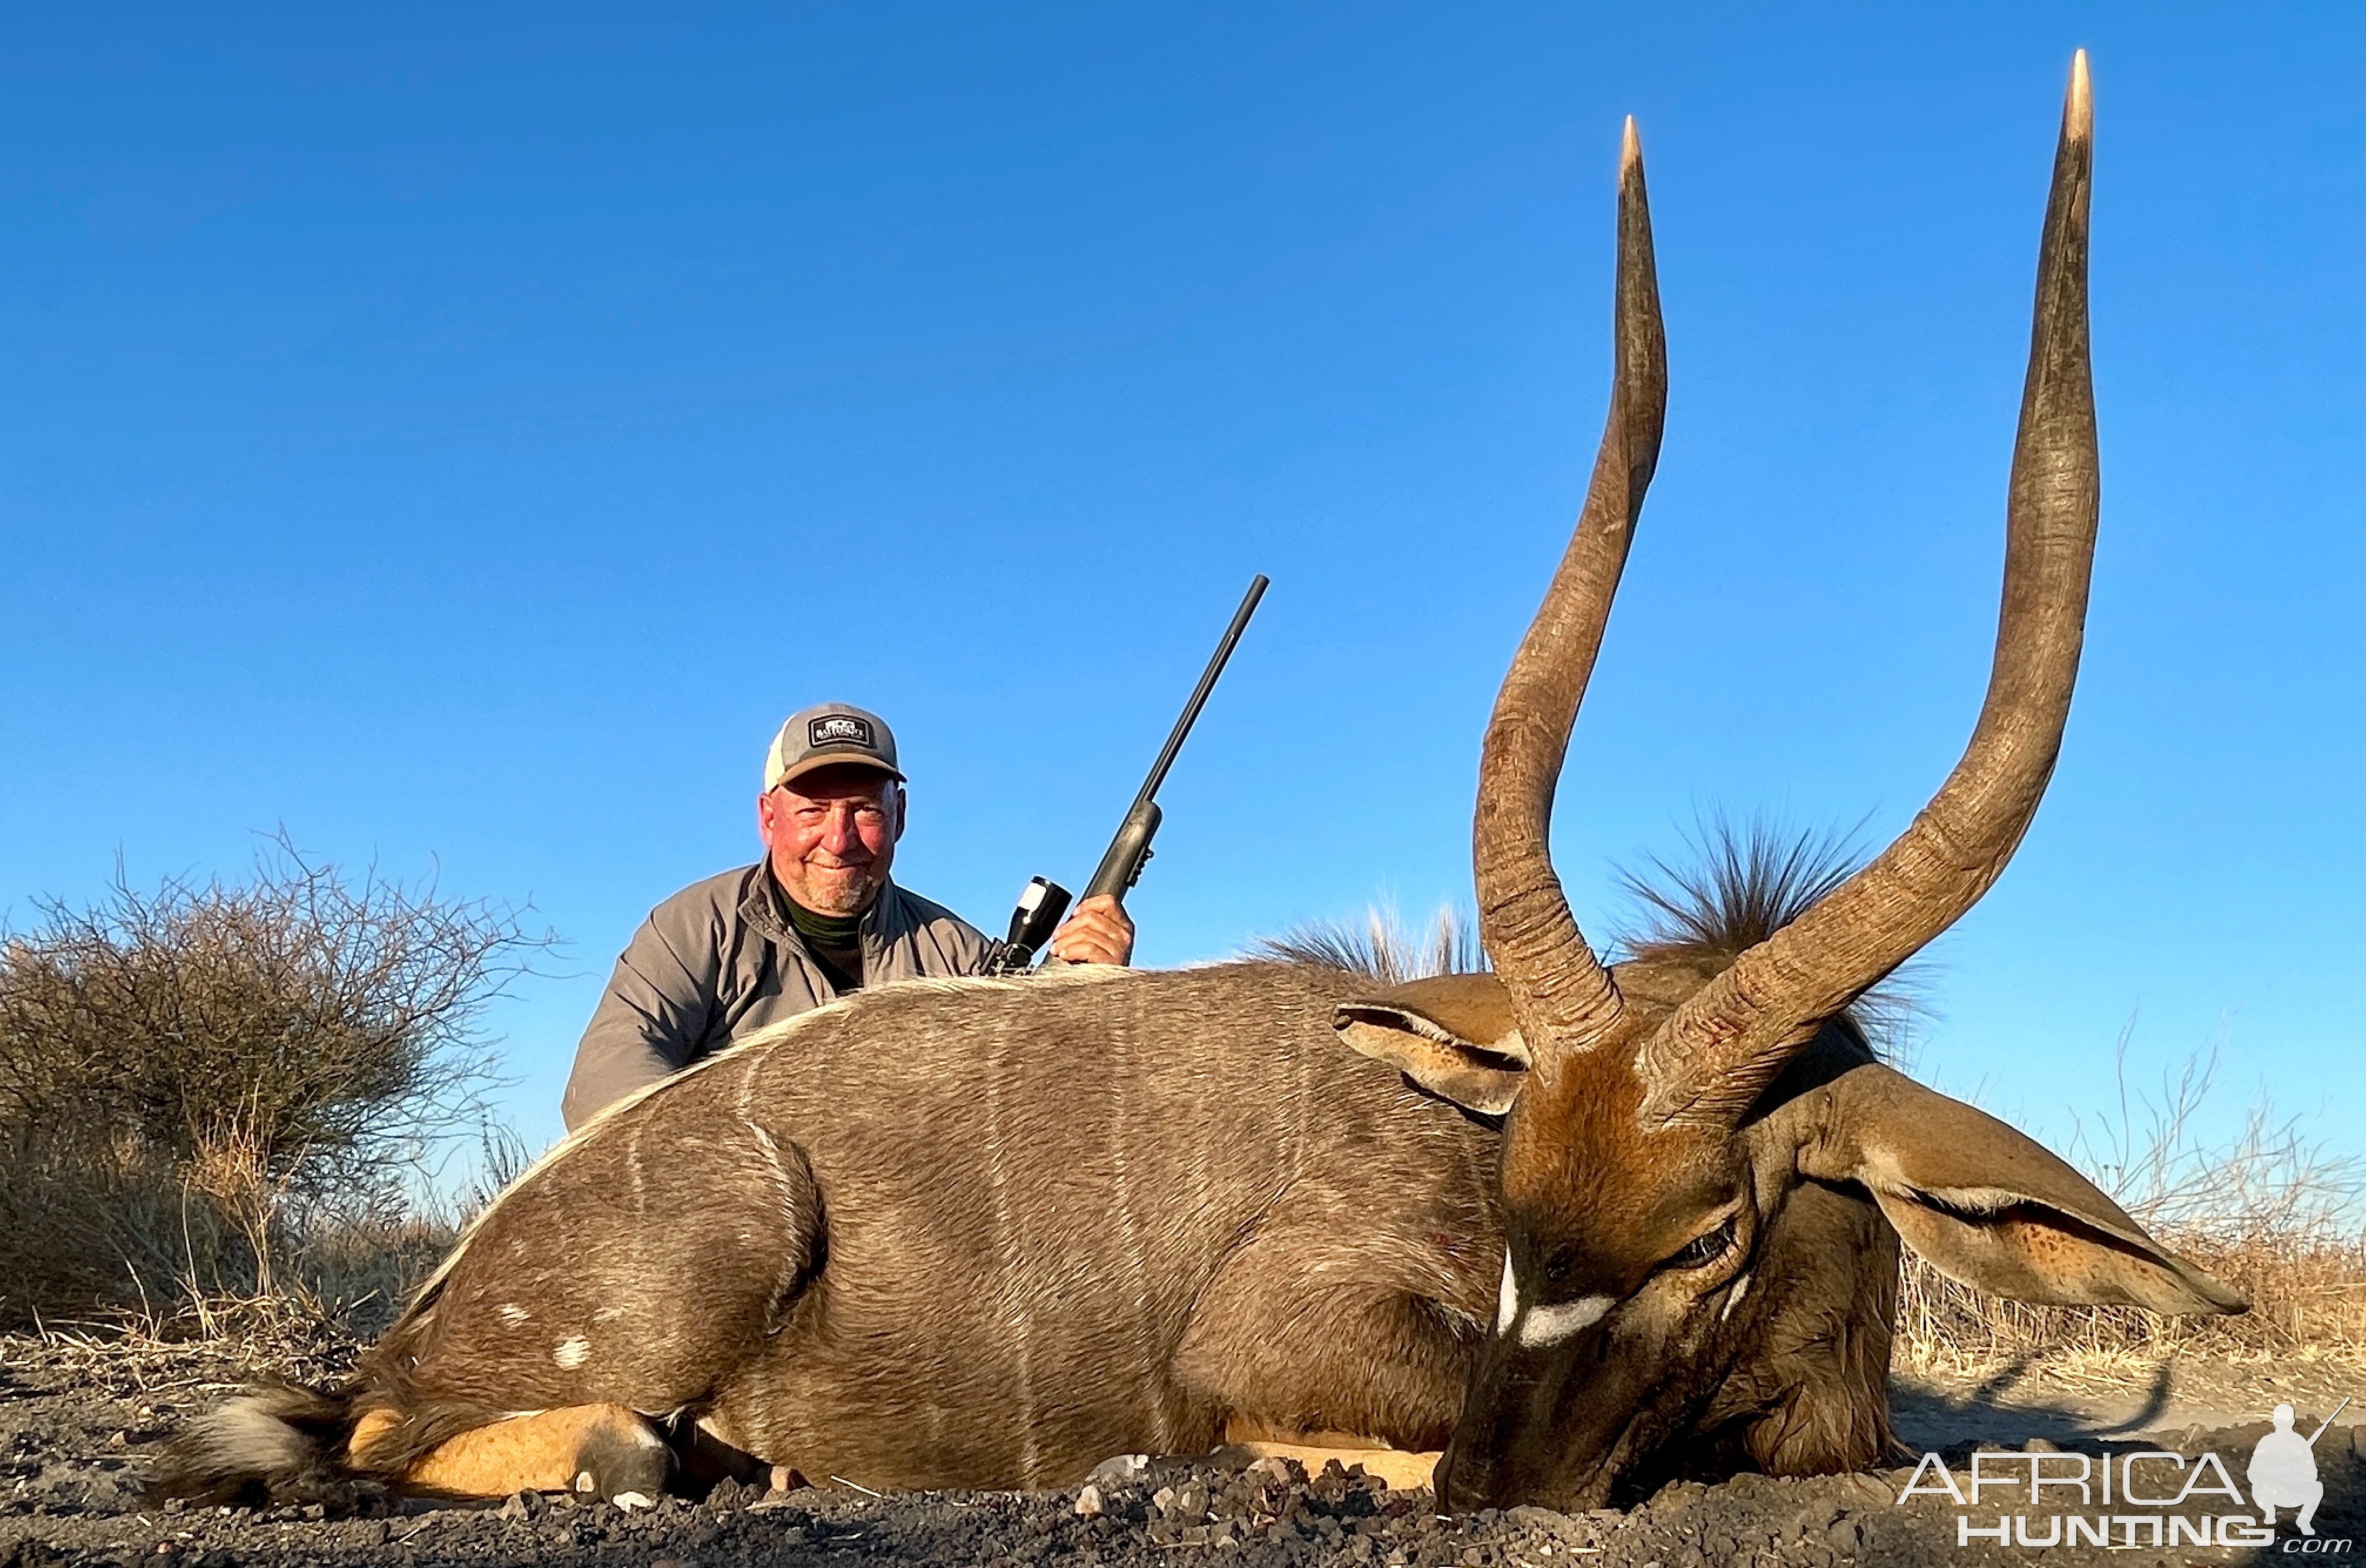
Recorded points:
(1042,902)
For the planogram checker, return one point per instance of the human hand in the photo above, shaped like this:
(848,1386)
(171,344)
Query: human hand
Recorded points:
(1097,931)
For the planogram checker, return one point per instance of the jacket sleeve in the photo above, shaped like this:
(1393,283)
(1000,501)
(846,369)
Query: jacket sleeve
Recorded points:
(658,1007)
(938,942)
(975,952)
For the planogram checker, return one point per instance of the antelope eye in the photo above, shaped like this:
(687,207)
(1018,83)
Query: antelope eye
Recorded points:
(1702,1251)
(1558,1263)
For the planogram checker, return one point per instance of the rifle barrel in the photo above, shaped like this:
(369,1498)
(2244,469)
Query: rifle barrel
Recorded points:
(1199,695)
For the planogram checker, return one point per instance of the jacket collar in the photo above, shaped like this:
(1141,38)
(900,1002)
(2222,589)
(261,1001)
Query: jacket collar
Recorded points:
(887,919)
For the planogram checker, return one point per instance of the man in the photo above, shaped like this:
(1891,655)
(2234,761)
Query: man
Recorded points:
(816,919)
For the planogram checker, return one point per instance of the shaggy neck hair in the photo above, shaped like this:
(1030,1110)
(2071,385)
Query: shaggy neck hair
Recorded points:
(1737,886)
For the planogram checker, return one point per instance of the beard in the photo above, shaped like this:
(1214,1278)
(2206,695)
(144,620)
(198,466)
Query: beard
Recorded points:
(838,890)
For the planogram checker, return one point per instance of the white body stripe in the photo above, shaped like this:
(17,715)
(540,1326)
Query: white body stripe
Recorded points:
(762,1042)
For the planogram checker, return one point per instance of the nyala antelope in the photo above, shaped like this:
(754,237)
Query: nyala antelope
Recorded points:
(1578,1225)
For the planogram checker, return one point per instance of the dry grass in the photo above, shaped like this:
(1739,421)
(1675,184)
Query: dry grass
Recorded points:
(151,1253)
(2308,1304)
(2271,1212)
(139,1252)
(215,1093)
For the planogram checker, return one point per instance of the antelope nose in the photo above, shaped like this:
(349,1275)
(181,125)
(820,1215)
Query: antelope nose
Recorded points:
(1460,1483)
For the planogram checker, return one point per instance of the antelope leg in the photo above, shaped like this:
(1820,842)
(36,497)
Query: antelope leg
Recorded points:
(1370,1355)
(1403,1469)
(602,1449)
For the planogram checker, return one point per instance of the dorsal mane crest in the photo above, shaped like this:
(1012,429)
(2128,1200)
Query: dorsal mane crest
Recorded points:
(1738,885)
(1379,950)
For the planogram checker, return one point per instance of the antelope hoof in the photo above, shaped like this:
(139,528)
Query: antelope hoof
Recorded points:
(625,1466)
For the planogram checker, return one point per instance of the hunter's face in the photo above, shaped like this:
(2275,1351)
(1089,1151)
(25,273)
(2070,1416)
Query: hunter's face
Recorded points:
(831,836)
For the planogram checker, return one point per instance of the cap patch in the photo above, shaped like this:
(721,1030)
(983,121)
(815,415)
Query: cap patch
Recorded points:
(839,729)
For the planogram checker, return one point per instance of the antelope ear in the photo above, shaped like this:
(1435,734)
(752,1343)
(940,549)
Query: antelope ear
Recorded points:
(1452,1034)
(1989,1207)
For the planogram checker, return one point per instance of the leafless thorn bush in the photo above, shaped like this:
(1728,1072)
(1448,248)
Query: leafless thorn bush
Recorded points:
(207,1086)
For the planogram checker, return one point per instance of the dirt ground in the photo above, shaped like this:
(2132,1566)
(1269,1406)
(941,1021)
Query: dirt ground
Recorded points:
(77,1420)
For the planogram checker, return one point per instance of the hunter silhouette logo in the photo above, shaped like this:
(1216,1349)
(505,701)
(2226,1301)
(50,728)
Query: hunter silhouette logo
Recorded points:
(2284,1469)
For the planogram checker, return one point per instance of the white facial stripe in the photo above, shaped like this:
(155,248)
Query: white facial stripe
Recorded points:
(1550,1325)
(1740,1286)
(1507,1304)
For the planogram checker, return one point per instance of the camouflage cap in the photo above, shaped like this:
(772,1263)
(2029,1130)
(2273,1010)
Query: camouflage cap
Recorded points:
(826,734)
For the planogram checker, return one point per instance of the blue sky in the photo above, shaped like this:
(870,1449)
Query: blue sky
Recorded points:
(459,436)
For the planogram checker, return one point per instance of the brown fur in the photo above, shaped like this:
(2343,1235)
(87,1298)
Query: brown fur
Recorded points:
(982,1233)
(988,1233)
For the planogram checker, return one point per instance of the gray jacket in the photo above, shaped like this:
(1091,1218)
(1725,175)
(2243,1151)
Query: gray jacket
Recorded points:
(718,960)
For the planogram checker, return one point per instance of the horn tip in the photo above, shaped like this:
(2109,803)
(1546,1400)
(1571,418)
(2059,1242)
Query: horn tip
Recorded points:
(2079,106)
(1630,149)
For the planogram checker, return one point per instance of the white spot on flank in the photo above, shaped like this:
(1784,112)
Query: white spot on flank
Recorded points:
(1551,1325)
(572,1352)
(512,1314)
(1507,1303)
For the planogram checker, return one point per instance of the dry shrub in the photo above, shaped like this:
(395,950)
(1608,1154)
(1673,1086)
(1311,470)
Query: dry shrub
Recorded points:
(2270,1213)
(214,1092)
